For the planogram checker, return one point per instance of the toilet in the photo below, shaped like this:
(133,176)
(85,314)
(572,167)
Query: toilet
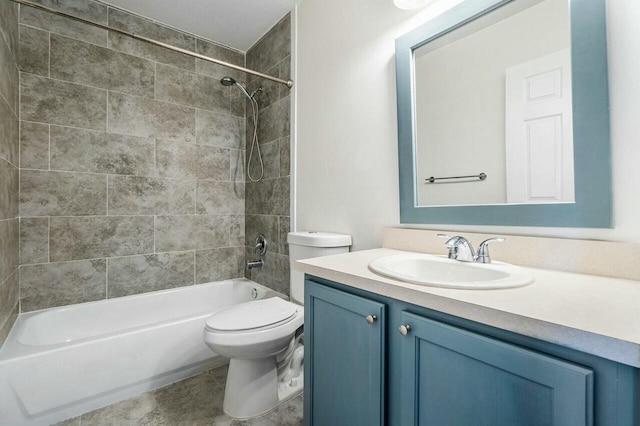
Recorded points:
(263,338)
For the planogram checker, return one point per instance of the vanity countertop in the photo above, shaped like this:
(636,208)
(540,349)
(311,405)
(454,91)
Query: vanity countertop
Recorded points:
(592,314)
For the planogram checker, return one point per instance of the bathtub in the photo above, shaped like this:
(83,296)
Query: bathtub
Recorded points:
(61,362)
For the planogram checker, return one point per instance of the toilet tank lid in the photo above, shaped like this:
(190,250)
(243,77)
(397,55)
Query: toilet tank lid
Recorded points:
(319,239)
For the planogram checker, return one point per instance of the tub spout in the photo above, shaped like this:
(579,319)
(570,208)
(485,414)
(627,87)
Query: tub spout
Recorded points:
(255,264)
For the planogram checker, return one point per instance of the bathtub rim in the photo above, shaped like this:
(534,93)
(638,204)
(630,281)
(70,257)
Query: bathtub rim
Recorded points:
(13,349)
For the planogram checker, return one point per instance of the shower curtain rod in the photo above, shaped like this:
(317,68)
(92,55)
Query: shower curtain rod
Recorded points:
(288,83)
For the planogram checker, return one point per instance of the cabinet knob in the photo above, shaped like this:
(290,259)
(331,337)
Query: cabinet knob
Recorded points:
(404,329)
(371,319)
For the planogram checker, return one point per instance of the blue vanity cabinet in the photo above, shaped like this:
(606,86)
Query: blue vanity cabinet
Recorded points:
(452,376)
(344,358)
(446,370)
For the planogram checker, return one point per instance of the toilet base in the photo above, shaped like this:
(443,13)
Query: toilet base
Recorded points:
(253,388)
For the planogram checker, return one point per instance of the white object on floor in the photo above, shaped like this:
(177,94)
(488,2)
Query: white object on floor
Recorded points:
(252,381)
(262,337)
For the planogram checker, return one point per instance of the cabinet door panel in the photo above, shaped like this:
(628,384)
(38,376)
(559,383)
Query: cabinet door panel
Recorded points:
(344,358)
(454,377)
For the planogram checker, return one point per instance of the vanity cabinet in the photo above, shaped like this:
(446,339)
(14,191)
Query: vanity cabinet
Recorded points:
(455,377)
(416,366)
(344,358)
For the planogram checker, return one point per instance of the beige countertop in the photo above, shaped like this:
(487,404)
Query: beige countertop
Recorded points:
(592,314)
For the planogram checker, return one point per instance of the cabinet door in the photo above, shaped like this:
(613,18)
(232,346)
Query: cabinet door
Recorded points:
(454,377)
(344,358)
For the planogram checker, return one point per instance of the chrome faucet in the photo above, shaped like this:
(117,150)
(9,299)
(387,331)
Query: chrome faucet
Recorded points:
(255,264)
(261,249)
(461,249)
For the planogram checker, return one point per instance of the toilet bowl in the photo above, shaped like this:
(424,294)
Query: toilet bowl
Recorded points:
(260,339)
(263,338)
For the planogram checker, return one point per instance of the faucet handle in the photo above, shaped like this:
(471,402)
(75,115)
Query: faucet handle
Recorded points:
(261,245)
(483,249)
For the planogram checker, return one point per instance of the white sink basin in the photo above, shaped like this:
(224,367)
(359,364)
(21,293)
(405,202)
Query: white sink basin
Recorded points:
(436,271)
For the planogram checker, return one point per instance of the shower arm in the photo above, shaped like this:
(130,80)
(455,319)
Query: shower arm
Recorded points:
(288,83)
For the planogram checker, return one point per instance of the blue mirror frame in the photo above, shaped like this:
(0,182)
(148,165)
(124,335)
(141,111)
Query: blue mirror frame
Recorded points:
(592,152)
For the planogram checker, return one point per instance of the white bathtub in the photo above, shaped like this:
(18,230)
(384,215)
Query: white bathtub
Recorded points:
(61,362)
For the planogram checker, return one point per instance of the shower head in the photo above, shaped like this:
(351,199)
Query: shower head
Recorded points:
(227,81)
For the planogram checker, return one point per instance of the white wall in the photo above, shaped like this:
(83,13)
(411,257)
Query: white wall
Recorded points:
(347,172)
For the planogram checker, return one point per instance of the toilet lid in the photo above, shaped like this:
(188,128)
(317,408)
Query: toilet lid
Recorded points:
(249,315)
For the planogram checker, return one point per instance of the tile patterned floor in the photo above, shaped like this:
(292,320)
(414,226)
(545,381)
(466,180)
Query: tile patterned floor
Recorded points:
(192,402)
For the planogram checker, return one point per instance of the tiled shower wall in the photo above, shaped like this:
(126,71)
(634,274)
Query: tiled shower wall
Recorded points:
(128,156)
(9,139)
(267,201)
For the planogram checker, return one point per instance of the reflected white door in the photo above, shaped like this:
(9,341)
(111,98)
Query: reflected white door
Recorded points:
(539,130)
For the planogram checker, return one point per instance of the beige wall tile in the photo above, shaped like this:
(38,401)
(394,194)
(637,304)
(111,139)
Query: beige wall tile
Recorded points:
(74,238)
(64,283)
(50,101)
(139,274)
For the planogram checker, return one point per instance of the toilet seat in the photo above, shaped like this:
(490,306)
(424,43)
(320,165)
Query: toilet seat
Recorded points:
(270,328)
(254,315)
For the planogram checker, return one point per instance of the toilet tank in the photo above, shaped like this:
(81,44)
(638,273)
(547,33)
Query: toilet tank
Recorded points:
(305,245)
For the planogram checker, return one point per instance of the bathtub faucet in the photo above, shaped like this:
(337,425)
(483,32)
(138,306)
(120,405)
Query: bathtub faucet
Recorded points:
(255,264)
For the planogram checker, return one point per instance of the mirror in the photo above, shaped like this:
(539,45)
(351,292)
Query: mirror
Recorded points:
(494,126)
(503,115)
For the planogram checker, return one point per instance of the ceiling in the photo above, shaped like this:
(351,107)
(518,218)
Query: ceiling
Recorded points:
(235,23)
